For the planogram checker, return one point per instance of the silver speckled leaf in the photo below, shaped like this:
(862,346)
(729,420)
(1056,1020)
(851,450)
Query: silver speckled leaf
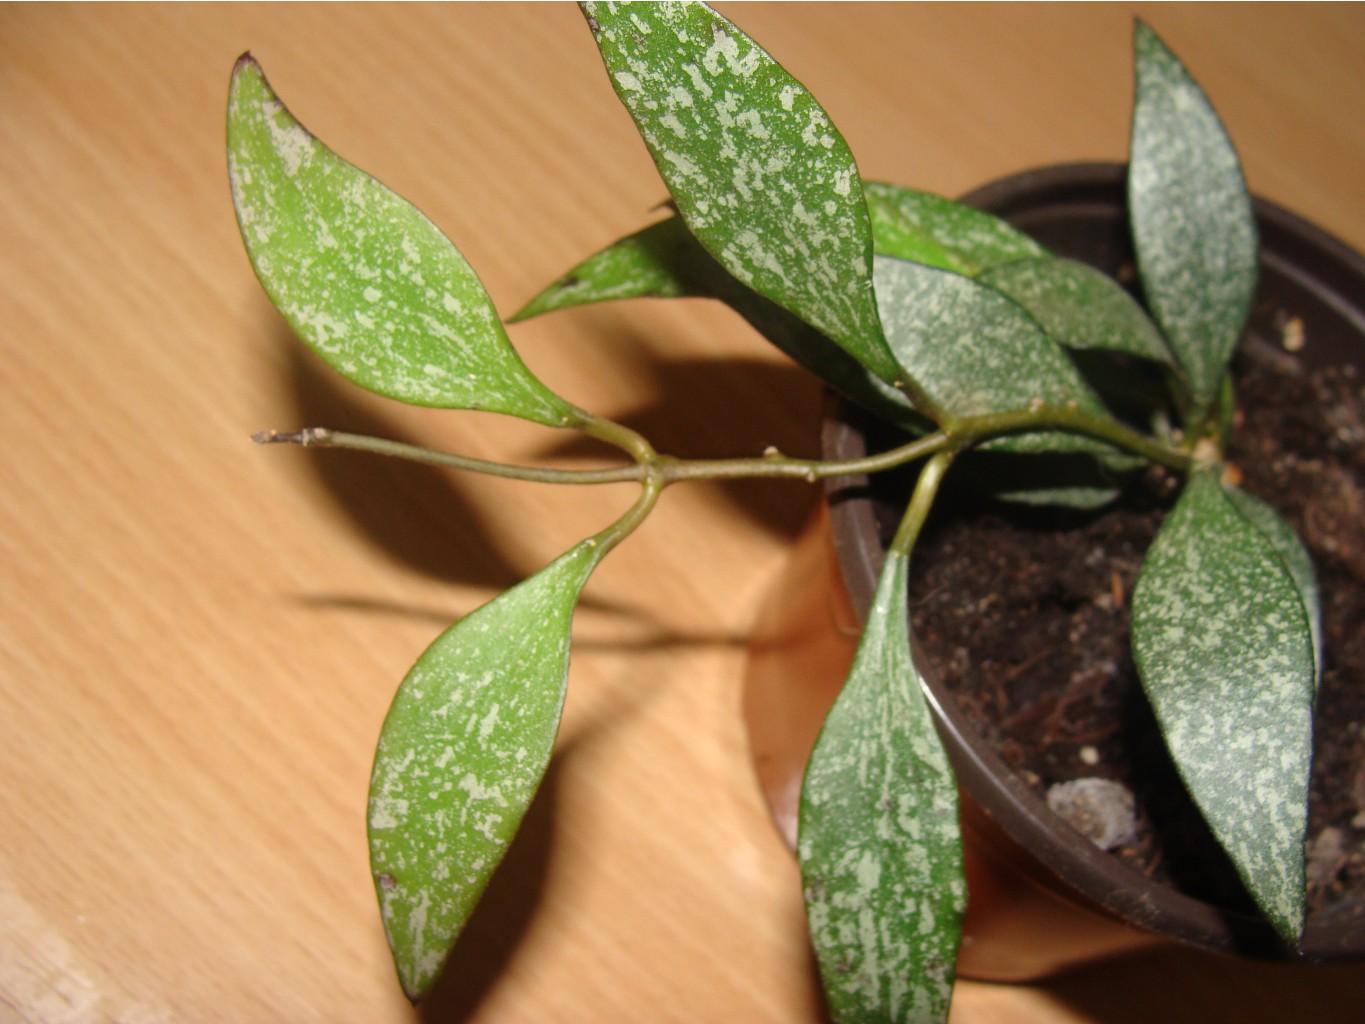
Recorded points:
(461,754)
(878,840)
(1079,306)
(1225,650)
(362,275)
(758,171)
(664,260)
(924,228)
(975,351)
(1191,215)
(657,262)
(1290,547)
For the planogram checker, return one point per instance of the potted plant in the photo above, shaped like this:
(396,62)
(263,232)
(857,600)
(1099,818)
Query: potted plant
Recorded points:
(1036,714)
(968,336)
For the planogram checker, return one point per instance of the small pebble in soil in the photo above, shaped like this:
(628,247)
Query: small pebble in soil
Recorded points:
(1102,810)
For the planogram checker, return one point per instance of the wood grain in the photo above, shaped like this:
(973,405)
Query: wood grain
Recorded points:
(199,637)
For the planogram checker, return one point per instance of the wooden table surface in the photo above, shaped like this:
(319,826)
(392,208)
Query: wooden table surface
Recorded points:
(199,637)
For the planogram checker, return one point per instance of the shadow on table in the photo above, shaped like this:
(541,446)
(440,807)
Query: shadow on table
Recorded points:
(425,518)
(428,519)
(417,514)
(725,408)
(502,918)
(1183,986)
(507,911)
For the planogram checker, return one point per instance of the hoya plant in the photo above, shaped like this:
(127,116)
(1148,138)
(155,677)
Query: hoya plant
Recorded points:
(940,319)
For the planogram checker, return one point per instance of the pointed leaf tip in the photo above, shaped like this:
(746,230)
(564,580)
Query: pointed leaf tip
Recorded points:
(1193,225)
(665,260)
(1079,307)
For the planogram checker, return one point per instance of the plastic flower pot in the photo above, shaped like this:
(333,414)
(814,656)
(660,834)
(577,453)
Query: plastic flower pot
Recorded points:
(1043,897)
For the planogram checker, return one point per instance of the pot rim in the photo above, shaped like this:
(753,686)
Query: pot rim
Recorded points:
(1314,263)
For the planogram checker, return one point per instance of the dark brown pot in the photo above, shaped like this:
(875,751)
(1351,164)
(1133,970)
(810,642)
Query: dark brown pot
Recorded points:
(1042,897)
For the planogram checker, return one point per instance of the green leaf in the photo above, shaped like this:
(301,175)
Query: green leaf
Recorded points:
(1192,220)
(362,275)
(665,260)
(1080,307)
(813,350)
(662,261)
(1224,647)
(463,749)
(1293,553)
(756,168)
(976,352)
(878,840)
(924,228)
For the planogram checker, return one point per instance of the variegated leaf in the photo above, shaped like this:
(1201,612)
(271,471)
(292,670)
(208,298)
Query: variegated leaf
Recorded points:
(1079,307)
(976,351)
(362,275)
(1192,220)
(462,752)
(665,260)
(1290,547)
(924,228)
(756,168)
(878,839)
(1224,647)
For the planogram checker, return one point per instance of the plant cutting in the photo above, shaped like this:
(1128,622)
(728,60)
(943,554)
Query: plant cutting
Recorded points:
(943,321)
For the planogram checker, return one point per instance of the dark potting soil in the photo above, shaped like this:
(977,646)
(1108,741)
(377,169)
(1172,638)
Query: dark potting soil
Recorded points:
(1026,615)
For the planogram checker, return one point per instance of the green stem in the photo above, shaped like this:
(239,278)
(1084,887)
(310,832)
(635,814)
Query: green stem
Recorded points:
(921,501)
(321,437)
(775,465)
(972,430)
(619,435)
(670,469)
(648,464)
(653,486)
